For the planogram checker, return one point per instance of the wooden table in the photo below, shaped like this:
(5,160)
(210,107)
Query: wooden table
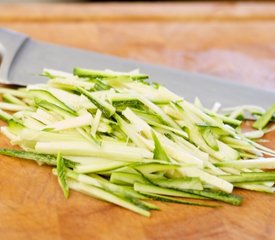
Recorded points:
(233,41)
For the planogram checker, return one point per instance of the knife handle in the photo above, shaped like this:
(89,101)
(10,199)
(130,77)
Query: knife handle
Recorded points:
(10,44)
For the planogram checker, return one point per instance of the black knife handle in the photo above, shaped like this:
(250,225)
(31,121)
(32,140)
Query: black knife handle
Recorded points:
(10,44)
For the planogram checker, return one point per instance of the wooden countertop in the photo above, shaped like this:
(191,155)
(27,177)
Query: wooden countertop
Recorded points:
(233,41)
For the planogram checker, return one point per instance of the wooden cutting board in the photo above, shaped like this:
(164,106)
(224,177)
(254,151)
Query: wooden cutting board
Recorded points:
(32,206)
(234,41)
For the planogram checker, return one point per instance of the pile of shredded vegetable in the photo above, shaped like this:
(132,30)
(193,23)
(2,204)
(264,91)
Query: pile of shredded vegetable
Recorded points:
(116,137)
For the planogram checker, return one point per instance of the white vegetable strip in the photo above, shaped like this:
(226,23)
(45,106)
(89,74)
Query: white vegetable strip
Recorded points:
(205,117)
(130,132)
(158,111)
(191,148)
(70,99)
(95,123)
(259,163)
(254,134)
(208,178)
(236,113)
(73,122)
(5,131)
(16,93)
(71,82)
(161,94)
(5,115)
(79,148)
(97,167)
(44,117)
(58,73)
(138,123)
(111,146)
(178,153)
(87,160)
(216,107)
(250,108)
(13,107)
(42,136)
(32,123)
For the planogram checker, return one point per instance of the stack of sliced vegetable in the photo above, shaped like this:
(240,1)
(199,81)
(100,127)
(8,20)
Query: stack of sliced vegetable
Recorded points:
(114,136)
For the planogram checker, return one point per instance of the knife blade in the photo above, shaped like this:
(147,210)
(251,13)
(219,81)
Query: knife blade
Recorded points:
(23,60)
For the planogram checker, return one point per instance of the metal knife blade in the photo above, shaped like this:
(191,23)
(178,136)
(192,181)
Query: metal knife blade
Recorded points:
(23,59)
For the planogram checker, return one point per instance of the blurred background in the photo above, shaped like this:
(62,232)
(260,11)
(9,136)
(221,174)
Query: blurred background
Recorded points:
(233,40)
(47,1)
(90,1)
(37,1)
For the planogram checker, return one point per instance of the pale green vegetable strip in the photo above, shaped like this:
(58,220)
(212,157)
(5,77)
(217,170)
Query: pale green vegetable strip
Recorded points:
(259,163)
(106,108)
(148,188)
(5,116)
(61,174)
(208,178)
(12,99)
(106,196)
(73,122)
(13,107)
(95,123)
(17,93)
(264,119)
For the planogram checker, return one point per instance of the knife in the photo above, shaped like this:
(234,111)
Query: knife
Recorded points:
(23,59)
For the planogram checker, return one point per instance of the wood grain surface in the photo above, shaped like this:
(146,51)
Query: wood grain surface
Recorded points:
(233,41)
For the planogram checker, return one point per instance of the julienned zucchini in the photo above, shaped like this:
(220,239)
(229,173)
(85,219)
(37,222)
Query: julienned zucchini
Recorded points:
(5,116)
(265,118)
(95,74)
(218,195)
(116,137)
(47,159)
(247,177)
(44,95)
(107,109)
(106,196)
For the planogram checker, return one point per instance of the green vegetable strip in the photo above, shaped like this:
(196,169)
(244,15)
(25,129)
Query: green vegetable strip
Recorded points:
(54,108)
(94,74)
(104,195)
(148,188)
(98,181)
(250,177)
(107,109)
(159,152)
(61,174)
(5,116)
(179,183)
(264,119)
(124,178)
(210,138)
(42,158)
(47,96)
(218,195)
(7,97)
(175,200)
(13,107)
(165,118)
